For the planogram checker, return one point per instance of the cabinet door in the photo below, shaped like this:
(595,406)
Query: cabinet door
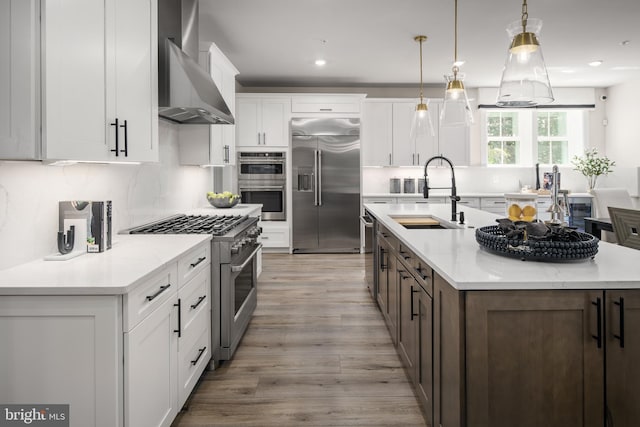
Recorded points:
(393,296)
(248,122)
(151,369)
(448,355)
(63,349)
(408,287)
(109,73)
(453,141)
(533,358)
(404,148)
(383,276)
(19,79)
(623,354)
(275,121)
(377,134)
(73,77)
(424,347)
(223,136)
(133,95)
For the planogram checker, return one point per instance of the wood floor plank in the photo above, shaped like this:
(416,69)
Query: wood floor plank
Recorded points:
(316,353)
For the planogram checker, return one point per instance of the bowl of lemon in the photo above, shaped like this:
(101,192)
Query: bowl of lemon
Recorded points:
(223,200)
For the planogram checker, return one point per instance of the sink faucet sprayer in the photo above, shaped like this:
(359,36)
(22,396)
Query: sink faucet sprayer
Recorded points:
(454,197)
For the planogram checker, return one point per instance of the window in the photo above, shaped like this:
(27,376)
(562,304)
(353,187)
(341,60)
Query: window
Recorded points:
(523,137)
(503,138)
(553,145)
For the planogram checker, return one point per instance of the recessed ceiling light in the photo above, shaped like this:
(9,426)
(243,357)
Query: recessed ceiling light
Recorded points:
(625,42)
(320,62)
(458,63)
(596,63)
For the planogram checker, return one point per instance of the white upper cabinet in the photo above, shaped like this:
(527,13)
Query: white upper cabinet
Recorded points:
(212,144)
(453,141)
(377,134)
(99,80)
(407,151)
(262,122)
(386,135)
(19,78)
(326,103)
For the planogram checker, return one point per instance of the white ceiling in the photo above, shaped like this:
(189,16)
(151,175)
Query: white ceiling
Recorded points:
(370,42)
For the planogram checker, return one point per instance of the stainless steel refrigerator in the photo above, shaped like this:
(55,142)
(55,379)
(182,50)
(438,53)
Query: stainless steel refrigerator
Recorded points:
(326,185)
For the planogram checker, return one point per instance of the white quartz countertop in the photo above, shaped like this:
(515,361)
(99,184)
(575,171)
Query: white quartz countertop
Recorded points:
(456,256)
(239,209)
(116,271)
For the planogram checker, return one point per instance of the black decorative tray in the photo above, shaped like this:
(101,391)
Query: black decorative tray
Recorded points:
(493,239)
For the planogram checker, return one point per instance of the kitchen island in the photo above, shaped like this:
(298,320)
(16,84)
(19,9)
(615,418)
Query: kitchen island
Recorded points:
(496,341)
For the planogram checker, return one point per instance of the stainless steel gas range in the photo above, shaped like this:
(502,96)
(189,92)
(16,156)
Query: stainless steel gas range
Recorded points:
(233,271)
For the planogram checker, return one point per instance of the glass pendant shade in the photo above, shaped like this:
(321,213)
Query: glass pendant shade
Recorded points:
(456,110)
(421,126)
(525,82)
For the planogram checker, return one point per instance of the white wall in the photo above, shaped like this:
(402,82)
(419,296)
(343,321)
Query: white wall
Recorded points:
(623,136)
(30,191)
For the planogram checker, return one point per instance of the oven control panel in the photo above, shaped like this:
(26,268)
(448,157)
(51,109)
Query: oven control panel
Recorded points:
(249,239)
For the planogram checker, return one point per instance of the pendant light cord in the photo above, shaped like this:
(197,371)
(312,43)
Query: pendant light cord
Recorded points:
(525,16)
(455,41)
(421,93)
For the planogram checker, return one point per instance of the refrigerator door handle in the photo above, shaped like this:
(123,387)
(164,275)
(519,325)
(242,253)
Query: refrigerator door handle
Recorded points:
(319,191)
(315,177)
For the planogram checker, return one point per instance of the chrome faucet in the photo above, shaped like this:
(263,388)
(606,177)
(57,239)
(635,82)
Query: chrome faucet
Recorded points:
(454,197)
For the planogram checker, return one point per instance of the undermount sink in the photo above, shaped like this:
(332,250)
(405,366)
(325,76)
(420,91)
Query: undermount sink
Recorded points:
(424,222)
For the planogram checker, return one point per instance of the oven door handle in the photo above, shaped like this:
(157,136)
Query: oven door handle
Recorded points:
(237,268)
(367,224)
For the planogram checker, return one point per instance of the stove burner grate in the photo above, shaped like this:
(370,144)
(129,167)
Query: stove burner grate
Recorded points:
(216,225)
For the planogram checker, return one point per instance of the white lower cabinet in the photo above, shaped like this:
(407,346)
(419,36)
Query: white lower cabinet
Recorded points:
(118,360)
(275,234)
(151,369)
(194,343)
(64,350)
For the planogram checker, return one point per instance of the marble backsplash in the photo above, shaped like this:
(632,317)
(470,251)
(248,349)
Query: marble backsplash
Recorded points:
(30,191)
(494,180)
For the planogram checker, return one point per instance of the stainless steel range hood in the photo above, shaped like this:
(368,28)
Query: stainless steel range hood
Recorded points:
(186,94)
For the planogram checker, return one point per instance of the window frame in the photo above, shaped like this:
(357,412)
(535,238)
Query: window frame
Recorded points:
(528,130)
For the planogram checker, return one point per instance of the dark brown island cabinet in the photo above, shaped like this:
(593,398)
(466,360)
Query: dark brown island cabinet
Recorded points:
(552,358)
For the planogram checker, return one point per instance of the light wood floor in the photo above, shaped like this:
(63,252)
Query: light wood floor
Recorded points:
(317,353)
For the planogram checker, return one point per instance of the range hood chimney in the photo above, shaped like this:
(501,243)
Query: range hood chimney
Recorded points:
(186,92)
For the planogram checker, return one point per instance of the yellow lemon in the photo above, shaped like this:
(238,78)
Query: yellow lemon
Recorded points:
(529,211)
(514,218)
(527,218)
(514,211)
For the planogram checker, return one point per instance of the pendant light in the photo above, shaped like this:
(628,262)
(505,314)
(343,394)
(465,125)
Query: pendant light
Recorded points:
(421,125)
(455,110)
(525,82)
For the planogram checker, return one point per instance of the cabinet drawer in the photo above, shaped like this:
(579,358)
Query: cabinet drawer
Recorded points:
(424,275)
(192,360)
(193,262)
(149,295)
(195,301)
(275,235)
(384,200)
(472,202)
(325,104)
(419,200)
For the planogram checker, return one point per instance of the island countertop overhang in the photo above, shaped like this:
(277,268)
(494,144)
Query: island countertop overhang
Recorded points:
(456,256)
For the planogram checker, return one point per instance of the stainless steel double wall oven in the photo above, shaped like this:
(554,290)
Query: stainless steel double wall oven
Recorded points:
(262,178)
